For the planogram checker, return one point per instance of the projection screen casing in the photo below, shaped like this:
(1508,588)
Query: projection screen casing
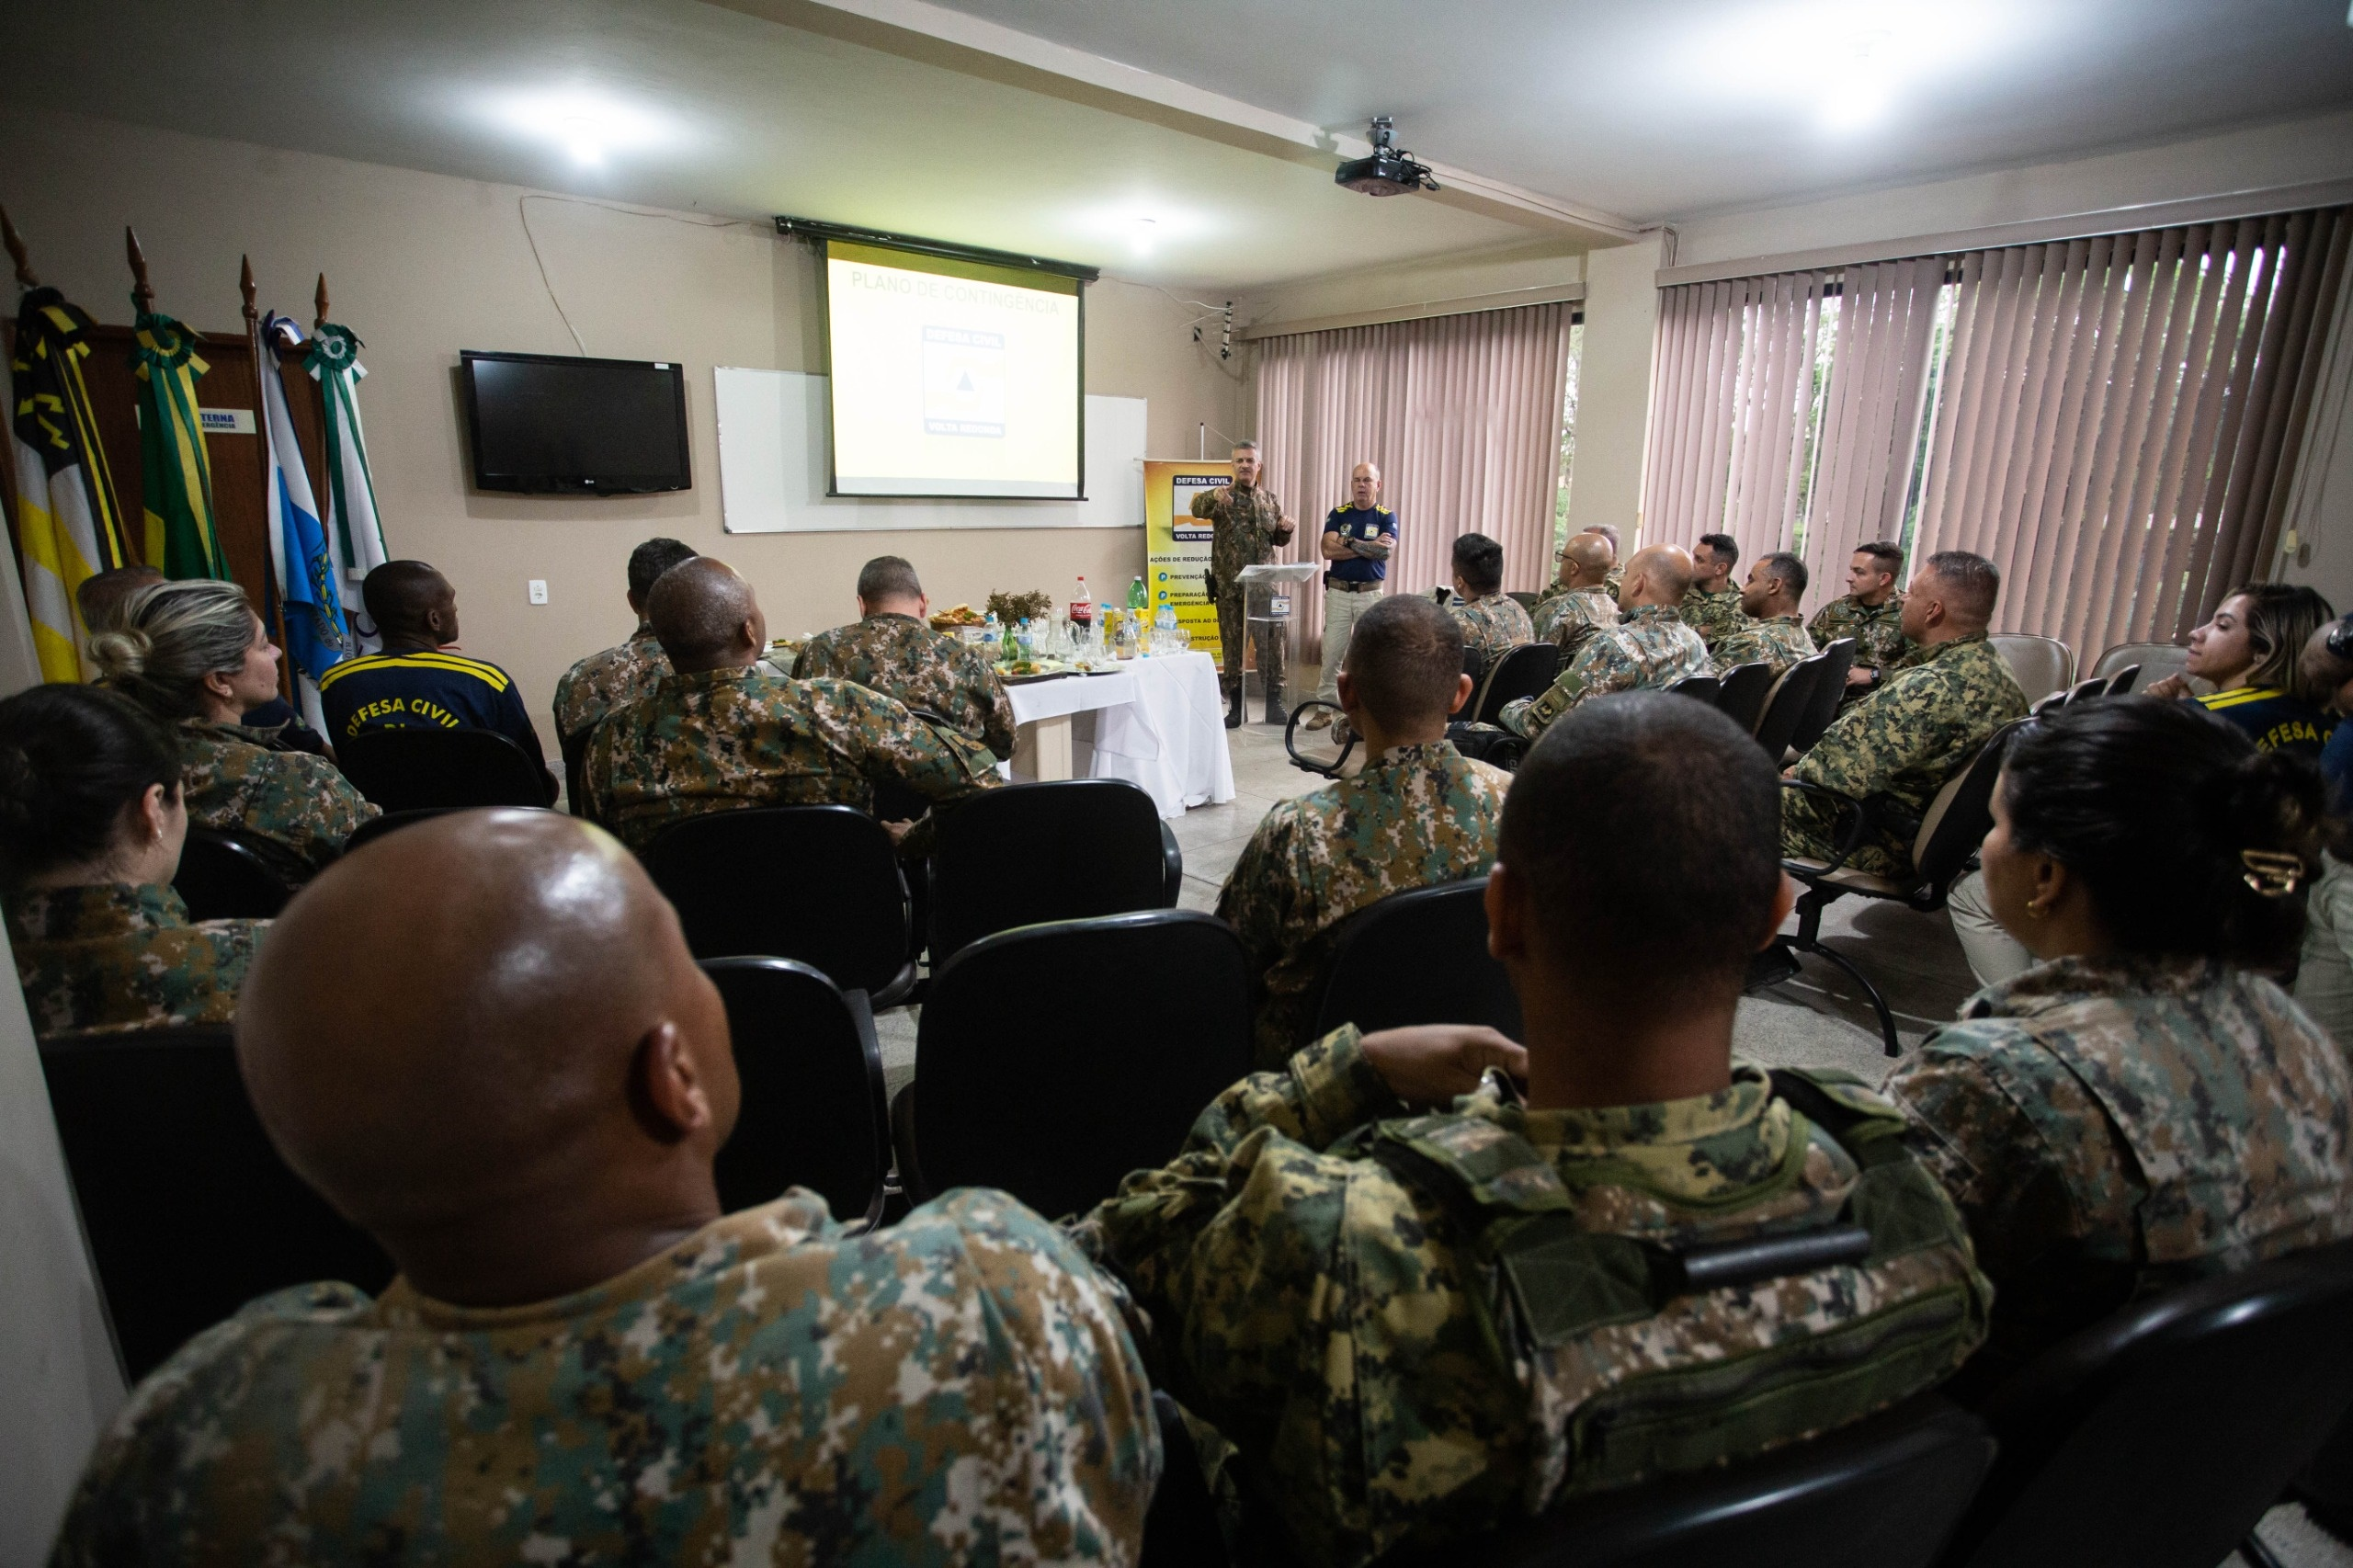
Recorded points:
(953,377)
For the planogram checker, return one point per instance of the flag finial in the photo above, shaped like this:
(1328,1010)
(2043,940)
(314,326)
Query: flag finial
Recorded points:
(321,299)
(142,293)
(246,288)
(15,243)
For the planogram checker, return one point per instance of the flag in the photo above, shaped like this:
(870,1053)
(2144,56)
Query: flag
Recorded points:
(173,466)
(355,533)
(68,525)
(303,566)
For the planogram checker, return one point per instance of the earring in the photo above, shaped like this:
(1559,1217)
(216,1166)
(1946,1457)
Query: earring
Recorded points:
(2036,910)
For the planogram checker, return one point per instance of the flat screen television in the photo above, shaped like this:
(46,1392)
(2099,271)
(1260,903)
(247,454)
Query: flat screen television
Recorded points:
(553,424)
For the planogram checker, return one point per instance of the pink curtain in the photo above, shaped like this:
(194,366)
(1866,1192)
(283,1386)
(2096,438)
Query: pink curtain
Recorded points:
(1462,413)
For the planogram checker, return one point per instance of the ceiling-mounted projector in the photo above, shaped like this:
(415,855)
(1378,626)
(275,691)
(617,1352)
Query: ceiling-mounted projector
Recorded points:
(1389,172)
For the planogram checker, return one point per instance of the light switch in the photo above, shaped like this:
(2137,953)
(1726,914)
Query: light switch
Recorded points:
(539,590)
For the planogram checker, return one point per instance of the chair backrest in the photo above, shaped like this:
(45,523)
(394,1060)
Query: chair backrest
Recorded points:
(1740,694)
(2160,1435)
(2043,665)
(1418,957)
(1882,1494)
(1333,763)
(1069,850)
(393,821)
(1960,814)
(812,1074)
(574,747)
(403,770)
(1526,671)
(2123,680)
(2082,688)
(1704,687)
(222,878)
(1789,701)
(188,1210)
(817,884)
(1053,1060)
(2157,660)
(1525,601)
(1829,687)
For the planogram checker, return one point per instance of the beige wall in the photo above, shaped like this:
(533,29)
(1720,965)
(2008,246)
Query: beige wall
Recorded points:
(422,265)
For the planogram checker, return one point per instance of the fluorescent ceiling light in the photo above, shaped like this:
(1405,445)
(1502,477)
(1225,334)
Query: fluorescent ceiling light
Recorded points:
(1844,64)
(589,126)
(1143,224)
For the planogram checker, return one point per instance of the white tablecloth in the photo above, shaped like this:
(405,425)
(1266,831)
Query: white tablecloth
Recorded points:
(1159,723)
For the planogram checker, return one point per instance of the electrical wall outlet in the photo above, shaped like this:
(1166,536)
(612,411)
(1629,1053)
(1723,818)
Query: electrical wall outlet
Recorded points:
(539,590)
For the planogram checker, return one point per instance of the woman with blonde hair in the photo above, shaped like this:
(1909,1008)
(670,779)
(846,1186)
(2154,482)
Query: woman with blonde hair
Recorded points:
(2250,650)
(196,655)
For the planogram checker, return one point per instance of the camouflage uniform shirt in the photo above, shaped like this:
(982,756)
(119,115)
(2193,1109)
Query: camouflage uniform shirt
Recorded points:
(1904,742)
(1780,642)
(1241,532)
(958,1389)
(900,657)
(247,782)
(1416,816)
(724,740)
(112,957)
(1649,647)
(1712,615)
(614,679)
(1317,1309)
(2109,1127)
(1569,617)
(1613,583)
(1494,625)
(1878,630)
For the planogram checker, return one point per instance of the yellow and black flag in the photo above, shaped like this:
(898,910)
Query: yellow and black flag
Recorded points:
(68,524)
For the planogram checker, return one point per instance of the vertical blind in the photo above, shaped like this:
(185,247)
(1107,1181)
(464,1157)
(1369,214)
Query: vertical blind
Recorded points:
(1462,413)
(2112,421)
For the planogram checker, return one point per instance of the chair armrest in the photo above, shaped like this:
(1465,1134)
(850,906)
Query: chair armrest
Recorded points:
(862,1014)
(1844,844)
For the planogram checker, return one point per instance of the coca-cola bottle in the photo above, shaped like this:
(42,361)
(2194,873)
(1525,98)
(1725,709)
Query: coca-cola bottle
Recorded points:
(1082,611)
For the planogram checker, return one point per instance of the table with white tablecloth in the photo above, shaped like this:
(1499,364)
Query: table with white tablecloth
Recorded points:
(1159,723)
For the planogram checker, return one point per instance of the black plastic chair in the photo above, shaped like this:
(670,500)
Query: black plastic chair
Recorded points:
(1830,684)
(817,884)
(1333,766)
(1789,700)
(2158,1437)
(1528,670)
(188,1210)
(222,877)
(1053,1060)
(1741,693)
(1525,601)
(1959,817)
(1881,1493)
(813,1113)
(393,821)
(2123,680)
(1069,849)
(404,770)
(1703,688)
(574,750)
(1418,956)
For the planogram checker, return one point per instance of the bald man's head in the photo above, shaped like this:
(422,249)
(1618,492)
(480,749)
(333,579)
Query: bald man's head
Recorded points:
(1585,560)
(486,1016)
(1658,575)
(705,617)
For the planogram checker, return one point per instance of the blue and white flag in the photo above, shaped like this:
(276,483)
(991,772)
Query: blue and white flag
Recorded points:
(304,567)
(355,533)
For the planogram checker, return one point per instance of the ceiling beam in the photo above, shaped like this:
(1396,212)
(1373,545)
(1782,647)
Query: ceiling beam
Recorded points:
(973,47)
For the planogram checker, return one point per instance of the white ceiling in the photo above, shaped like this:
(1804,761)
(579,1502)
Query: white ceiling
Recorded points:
(852,110)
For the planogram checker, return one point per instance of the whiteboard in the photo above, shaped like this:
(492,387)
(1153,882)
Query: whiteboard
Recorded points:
(773,464)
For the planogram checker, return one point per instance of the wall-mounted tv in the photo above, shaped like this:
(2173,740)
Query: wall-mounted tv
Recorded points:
(553,424)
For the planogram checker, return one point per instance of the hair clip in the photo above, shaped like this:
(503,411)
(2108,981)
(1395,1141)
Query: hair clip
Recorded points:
(2272,873)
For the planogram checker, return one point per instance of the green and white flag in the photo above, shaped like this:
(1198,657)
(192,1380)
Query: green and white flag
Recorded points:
(174,468)
(355,533)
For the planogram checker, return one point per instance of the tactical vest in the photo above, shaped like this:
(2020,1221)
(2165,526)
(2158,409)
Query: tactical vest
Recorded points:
(1724,1336)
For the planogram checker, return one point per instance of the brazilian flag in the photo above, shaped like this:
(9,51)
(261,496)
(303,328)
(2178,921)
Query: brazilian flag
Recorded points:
(173,467)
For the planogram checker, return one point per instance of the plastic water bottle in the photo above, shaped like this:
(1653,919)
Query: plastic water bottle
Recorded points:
(1136,597)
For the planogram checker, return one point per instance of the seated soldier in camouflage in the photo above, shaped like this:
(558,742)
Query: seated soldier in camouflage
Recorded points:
(717,735)
(618,676)
(1418,815)
(1346,1289)
(1582,603)
(2144,1108)
(193,653)
(893,649)
(1768,632)
(1491,620)
(91,823)
(1649,648)
(1929,719)
(1710,606)
(581,1360)
(1870,612)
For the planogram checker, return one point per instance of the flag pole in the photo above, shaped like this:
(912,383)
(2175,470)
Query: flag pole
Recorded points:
(142,293)
(16,244)
(274,612)
(320,299)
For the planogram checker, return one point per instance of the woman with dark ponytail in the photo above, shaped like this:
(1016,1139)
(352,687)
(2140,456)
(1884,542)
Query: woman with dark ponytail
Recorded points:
(2141,1107)
(91,823)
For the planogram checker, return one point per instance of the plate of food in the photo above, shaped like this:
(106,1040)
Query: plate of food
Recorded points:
(1028,671)
(959,615)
